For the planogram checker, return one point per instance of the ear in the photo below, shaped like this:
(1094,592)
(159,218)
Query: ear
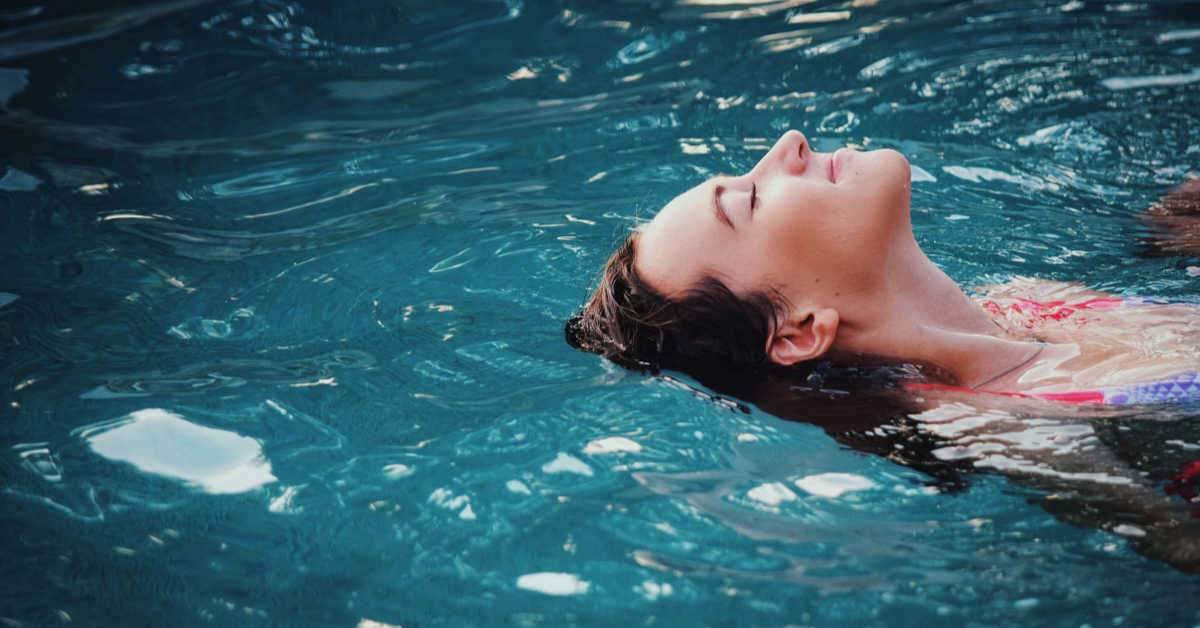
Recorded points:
(806,336)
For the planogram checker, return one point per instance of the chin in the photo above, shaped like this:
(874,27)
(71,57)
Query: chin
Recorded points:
(896,175)
(892,193)
(894,161)
(889,171)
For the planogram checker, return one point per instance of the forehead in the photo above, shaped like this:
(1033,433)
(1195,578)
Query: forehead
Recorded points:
(673,251)
(687,202)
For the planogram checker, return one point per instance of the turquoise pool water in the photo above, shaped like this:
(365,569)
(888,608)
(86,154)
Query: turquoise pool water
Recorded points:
(284,287)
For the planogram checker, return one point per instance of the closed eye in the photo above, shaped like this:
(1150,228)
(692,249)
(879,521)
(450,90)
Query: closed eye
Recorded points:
(716,206)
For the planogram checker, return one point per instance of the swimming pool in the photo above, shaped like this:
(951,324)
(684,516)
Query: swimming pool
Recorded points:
(285,282)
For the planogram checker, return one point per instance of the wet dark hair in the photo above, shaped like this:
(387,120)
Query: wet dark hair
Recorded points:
(707,327)
(720,338)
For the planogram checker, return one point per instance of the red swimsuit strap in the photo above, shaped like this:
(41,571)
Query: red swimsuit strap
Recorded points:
(963,390)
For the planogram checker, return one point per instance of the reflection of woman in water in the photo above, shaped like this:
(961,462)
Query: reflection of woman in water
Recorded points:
(807,265)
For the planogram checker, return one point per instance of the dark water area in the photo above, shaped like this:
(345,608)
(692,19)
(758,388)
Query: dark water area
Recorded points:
(281,315)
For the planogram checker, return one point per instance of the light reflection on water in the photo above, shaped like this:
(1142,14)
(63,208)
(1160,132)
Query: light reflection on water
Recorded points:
(163,443)
(343,238)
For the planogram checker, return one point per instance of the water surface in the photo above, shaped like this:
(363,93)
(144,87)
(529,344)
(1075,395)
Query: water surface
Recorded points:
(285,283)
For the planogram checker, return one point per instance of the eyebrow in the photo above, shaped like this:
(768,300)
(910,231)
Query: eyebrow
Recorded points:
(716,205)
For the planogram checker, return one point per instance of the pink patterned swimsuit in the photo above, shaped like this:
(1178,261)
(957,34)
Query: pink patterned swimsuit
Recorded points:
(1181,389)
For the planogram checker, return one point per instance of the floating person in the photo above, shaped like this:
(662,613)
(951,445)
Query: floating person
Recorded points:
(804,271)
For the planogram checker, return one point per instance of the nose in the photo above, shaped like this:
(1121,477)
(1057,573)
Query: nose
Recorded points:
(790,154)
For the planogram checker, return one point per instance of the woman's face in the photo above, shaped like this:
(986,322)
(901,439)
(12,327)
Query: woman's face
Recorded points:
(799,222)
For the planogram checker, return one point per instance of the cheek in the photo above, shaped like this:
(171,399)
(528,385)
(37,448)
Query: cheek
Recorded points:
(831,233)
(798,235)
(809,220)
(743,266)
(878,200)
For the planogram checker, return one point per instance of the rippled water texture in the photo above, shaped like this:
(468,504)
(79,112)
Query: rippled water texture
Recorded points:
(284,287)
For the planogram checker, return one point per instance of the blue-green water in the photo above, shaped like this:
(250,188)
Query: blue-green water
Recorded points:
(284,288)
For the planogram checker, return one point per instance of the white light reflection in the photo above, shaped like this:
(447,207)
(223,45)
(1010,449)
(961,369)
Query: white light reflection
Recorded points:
(771,494)
(819,17)
(160,442)
(522,73)
(552,583)
(565,463)
(746,8)
(782,42)
(612,445)
(1118,83)
(833,485)
(1180,35)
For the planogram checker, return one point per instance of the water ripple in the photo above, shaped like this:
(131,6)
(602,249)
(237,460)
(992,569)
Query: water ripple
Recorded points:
(422,131)
(306,30)
(206,377)
(340,240)
(42,37)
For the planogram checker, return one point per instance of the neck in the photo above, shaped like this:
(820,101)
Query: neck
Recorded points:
(918,314)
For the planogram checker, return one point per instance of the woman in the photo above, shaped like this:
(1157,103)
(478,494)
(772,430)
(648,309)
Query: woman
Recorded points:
(801,280)
(811,256)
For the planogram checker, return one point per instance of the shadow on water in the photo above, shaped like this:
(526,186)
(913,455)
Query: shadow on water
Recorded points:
(1117,469)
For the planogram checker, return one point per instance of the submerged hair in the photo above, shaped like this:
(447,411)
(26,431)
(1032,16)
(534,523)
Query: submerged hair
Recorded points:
(706,327)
